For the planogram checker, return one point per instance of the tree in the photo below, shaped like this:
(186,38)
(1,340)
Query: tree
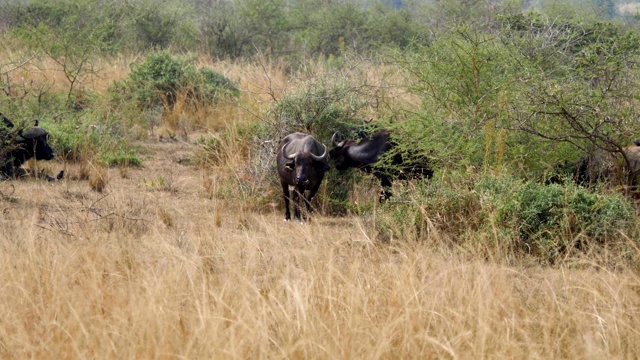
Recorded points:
(71,33)
(586,93)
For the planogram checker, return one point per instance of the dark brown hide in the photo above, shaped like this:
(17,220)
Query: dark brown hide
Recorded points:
(22,146)
(302,162)
(367,152)
(616,168)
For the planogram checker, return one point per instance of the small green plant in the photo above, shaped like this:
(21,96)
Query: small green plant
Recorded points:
(75,140)
(123,155)
(161,183)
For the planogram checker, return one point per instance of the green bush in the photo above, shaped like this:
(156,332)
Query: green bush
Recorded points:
(320,110)
(521,217)
(551,220)
(76,140)
(160,78)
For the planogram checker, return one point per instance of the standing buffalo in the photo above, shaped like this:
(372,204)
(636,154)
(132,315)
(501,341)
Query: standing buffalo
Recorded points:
(302,162)
(365,154)
(20,146)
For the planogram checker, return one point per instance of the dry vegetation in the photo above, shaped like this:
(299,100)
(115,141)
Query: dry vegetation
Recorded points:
(159,264)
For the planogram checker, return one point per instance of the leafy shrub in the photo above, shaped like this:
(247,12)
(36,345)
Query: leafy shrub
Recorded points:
(158,80)
(320,110)
(120,154)
(521,217)
(75,141)
(551,220)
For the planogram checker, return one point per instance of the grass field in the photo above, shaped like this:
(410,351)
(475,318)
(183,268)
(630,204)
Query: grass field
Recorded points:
(153,268)
(160,265)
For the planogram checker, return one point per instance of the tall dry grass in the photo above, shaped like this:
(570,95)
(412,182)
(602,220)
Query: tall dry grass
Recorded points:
(161,264)
(147,273)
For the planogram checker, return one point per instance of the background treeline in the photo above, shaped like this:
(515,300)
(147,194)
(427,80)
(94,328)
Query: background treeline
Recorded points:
(497,94)
(222,28)
(283,28)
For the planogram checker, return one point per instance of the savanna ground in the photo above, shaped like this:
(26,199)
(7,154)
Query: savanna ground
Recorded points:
(161,264)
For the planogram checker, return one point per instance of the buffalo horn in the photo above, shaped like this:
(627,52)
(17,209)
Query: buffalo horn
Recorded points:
(33,132)
(321,157)
(284,153)
(333,139)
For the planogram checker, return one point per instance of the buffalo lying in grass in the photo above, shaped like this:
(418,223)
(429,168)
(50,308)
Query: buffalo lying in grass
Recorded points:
(617,168)
(19,145)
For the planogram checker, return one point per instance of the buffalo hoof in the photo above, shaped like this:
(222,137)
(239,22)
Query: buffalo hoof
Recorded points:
(58,177)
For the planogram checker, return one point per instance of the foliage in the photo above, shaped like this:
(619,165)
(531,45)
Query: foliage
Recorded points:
(106,26)
(526,217)
(159,24)
(466,82)
(71,33)
(583,92)
(309,27)
(319,110)
(551,220)
(78,138)
(161,76)
(536,88)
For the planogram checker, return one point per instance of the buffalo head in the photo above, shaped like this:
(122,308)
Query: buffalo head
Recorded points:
(302,162)
(35,142)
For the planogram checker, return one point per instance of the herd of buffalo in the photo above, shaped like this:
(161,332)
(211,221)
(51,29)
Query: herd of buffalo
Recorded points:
(302,161)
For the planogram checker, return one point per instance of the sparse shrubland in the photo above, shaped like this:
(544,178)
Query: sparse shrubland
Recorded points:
(165,237)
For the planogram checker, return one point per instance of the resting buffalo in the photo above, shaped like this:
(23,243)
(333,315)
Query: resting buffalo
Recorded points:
(302,162)
(22,145)
(367,152)
(621,168)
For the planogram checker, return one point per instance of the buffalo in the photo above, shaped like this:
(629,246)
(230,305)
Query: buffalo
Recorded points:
(620,167)
(18,146)
(366,154)
(302,162)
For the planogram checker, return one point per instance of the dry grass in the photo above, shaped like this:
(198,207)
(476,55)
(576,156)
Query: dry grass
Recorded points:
(143,271)
(161,264)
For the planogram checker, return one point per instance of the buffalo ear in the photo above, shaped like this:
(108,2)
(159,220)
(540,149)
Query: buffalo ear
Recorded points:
(290,166)
(322,166)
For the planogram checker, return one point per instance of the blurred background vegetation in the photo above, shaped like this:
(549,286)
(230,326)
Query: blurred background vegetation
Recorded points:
(495,93)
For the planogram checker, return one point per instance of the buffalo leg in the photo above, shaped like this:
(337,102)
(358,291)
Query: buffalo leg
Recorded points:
(296,201)
(312,193)
(386,186)
(287,196)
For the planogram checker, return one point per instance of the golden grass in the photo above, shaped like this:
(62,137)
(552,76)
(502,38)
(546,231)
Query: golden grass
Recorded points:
(163,264)
(142,271)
